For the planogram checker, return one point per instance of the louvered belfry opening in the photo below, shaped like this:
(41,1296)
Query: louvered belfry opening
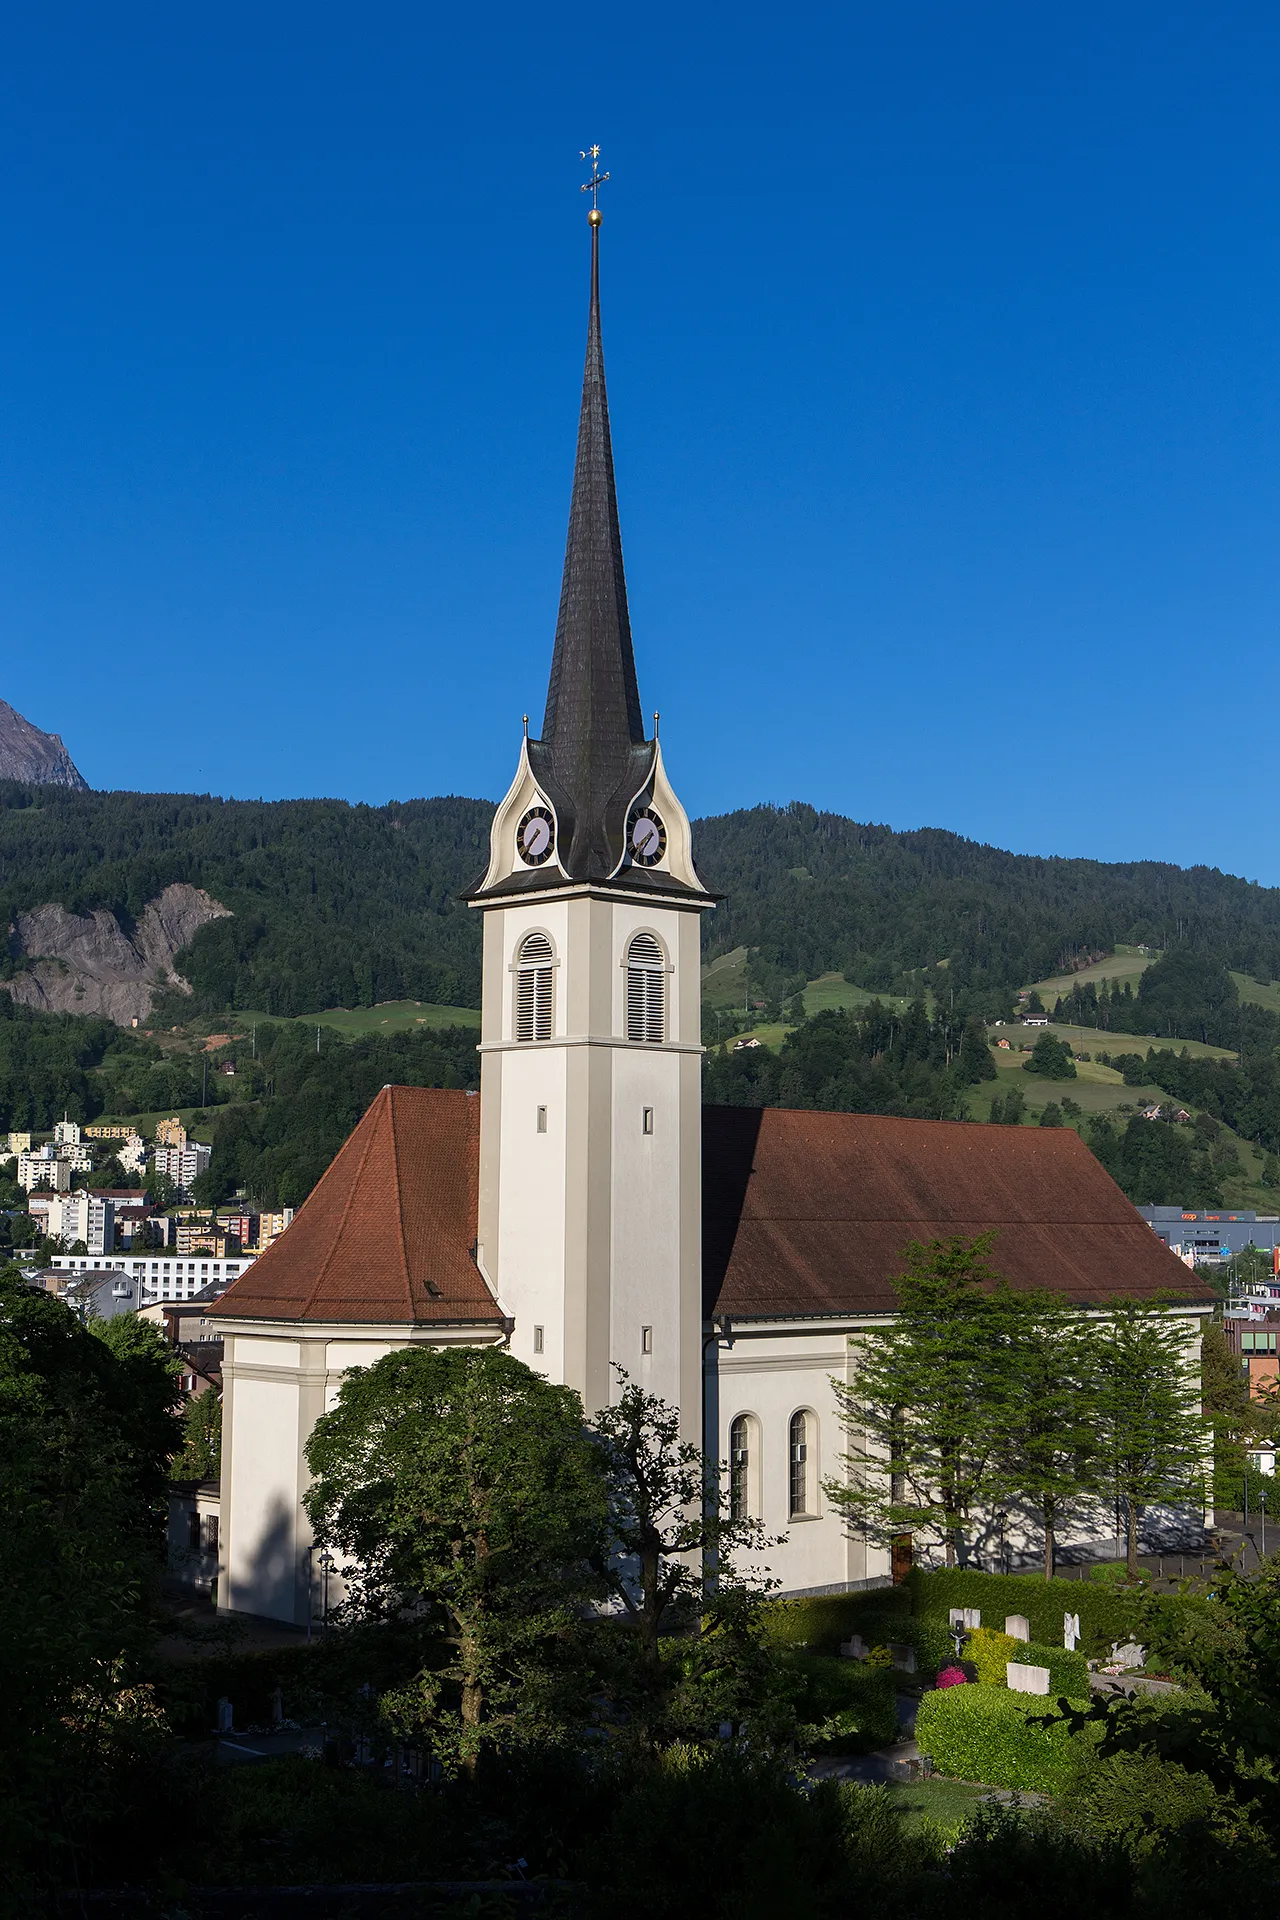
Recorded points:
(646,989)
(535,973)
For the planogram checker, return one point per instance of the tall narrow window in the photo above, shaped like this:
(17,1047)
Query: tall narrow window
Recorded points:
(534,975)
(799,1463)
(646,990)
(739,1468)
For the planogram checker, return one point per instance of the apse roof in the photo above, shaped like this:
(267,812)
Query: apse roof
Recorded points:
(808,1213)
(389,1232)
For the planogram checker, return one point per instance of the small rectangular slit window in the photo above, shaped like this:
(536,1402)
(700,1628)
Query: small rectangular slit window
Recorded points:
(542,1119)
(646,1125)
(646,1339)
(537,1340)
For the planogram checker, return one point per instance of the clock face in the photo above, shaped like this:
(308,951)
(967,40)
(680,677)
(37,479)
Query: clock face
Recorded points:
(536,836)
(647,837)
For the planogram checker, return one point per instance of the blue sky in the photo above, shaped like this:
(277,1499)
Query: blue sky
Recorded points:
(943,363)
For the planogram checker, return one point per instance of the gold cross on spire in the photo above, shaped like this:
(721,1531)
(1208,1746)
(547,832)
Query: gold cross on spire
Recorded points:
(594,184)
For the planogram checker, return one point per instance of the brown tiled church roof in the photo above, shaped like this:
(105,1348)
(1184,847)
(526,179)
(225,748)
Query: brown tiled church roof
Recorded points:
(388,1233)
(808,1213)
(803,1214)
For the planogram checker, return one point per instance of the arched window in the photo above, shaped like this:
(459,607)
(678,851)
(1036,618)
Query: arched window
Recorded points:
(646,989)
(534,975)
(740,1468)
(798,1464)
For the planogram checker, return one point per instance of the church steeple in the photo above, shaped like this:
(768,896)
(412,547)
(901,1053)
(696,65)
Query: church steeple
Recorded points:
(591,804)
(593,748)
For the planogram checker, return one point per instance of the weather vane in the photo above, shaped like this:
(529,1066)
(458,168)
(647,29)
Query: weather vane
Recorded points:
(594,184)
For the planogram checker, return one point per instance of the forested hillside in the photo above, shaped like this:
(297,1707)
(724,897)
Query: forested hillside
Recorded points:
(337,905)
(333,905)
(816,893)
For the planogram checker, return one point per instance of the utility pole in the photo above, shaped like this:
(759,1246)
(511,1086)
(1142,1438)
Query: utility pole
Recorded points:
(317,1039)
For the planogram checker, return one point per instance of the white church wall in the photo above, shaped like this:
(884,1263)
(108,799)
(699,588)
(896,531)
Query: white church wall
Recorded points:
(771,1373)
(277,1381)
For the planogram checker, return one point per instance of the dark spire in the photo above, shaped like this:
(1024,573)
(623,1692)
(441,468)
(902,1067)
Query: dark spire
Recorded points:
(593,747)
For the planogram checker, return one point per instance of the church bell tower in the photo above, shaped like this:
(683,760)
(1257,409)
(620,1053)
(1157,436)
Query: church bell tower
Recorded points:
(590,1078)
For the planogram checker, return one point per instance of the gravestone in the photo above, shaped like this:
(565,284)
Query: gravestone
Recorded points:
(1026,1679)
(903,1657)
(1130,1654)
(1017,1626)
(225,1716)
(1071,1631)
(854,1648)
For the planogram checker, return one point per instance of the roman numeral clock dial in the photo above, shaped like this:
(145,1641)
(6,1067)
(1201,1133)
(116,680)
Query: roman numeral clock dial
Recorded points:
(646,838)
(536,836)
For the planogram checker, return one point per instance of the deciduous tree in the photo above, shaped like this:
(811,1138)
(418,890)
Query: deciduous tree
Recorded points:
(460,1480)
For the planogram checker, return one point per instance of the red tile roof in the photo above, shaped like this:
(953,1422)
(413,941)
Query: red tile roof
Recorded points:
(808,1213)
(388,1233)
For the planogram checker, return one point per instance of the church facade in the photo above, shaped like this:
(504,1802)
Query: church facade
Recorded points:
(584,1209)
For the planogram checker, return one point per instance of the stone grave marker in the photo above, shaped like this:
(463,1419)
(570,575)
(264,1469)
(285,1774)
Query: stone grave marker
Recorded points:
(1017,1626)
(1071,1631)
(1023,1678)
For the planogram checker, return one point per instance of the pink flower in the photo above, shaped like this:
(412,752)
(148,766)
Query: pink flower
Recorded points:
(951,1677)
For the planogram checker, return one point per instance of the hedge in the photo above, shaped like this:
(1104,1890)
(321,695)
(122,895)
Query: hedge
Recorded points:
(985,1734)
(1106,1612)
(823,1621)
(992,1651)
(847,1707)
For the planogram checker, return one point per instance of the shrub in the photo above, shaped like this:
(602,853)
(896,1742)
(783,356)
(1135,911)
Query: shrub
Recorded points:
(1142,1798)
(988,1734)
(991,1653)
(823,1621)
(1106,1613)
(846,1706)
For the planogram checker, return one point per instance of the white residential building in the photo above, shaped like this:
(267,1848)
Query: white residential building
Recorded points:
(88,1217)
(44,1168)
(183,1165)
(66,1133)
(160,1276)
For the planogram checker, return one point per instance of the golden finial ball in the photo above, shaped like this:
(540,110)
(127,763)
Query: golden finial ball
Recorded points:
(595,217)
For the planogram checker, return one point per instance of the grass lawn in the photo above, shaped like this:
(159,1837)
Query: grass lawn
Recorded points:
(390,1016)
(1256,994)
(196,1120)
(1126,963)
(941,1803)
(833,990)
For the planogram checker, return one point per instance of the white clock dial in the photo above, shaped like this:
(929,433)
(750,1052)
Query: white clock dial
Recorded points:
(647,837)
(536,836)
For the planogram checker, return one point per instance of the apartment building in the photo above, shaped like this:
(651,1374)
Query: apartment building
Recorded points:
(161,1276)
(183,1164)
(44,1168)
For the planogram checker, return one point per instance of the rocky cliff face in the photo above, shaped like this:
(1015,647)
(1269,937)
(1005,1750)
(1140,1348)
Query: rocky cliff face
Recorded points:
(38,758)
(87,963)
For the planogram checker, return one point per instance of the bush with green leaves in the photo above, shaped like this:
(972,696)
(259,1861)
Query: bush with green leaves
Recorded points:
(1000,1738)
(824,1621)
(991,1653)
(1143,1799)
(844,1706)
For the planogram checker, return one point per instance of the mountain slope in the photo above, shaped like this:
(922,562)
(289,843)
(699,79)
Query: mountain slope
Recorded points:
(336,905)
(38,758)
(819,893)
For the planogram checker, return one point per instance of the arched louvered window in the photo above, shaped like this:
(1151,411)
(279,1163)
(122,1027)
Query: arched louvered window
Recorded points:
(646,989)
(798,1464)
(739,1468)
(535,972)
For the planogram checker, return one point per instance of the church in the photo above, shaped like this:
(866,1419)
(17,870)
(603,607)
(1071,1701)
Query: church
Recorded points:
(584,1208)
